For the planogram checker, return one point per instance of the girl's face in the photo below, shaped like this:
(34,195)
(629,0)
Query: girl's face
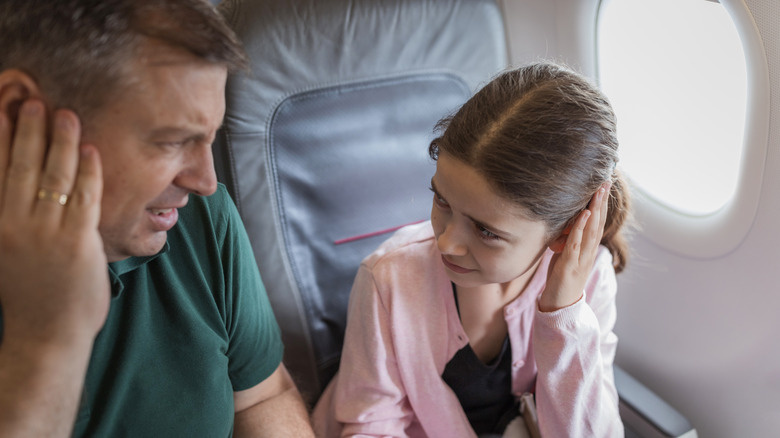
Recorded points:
(483,238)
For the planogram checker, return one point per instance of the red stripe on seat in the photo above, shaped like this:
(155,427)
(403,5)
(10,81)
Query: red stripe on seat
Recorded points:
(375,233)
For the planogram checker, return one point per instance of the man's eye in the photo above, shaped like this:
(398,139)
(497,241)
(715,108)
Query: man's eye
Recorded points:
(170,144)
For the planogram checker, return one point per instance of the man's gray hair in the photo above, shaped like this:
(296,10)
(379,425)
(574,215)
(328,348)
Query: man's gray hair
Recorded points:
(77,50)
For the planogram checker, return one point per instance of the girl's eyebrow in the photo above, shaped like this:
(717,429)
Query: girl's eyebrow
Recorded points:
(435,190)
(492,229)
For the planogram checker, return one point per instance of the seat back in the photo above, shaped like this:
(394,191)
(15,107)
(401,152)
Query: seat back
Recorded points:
(324,144)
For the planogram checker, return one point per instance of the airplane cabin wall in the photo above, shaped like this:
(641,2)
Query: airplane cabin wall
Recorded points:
(551,30)
(700,331)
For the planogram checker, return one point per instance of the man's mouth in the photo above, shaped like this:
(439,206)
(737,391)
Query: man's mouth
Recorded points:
(163,219)
(160,211)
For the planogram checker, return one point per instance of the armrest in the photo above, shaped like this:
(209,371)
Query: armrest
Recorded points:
(645,415)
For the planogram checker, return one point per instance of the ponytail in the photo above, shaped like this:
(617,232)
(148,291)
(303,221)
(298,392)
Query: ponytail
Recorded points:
(618,216)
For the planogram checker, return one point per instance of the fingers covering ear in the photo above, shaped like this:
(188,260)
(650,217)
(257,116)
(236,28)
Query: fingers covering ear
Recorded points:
(559,242)
(15,87)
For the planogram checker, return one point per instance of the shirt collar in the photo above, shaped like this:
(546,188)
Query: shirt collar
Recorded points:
(122,267)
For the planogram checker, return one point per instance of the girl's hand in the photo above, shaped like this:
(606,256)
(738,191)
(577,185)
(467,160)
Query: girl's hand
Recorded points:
(575,252)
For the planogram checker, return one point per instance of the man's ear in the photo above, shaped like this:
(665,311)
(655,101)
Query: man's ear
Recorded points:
(16,86)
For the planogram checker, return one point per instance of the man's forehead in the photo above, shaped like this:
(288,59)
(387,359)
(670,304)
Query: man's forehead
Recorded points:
(154,60)
(166,90)
(154,52)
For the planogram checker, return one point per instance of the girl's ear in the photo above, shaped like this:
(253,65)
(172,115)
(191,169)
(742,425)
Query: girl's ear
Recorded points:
(559,242)
(16,86)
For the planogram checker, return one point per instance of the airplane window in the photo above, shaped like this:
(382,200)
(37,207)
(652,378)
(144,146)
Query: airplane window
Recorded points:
(676,74)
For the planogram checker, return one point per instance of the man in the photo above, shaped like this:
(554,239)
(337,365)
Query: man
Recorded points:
(177,337)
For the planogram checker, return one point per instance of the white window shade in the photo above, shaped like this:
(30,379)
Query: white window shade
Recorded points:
(675,73)
(689,82)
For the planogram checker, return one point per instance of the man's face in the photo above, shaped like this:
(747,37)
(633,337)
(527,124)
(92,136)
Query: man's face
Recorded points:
(155,140)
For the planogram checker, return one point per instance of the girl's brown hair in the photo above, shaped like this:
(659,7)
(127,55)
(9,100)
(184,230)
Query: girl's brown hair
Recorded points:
(544,137)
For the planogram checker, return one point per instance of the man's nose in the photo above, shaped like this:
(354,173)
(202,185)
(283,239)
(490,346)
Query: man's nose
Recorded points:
(199,176)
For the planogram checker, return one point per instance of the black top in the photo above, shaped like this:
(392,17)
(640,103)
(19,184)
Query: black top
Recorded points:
(484,390)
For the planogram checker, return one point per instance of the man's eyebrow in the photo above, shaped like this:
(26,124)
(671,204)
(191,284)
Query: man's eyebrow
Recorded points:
(478,222)
(177,132)
(171,130)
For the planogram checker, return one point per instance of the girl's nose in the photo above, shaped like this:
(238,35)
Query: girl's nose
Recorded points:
(451,241)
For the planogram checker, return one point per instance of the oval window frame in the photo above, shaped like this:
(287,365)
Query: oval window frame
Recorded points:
(693,235)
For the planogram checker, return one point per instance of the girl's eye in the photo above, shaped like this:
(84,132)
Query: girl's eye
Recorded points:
(438,199)
(486,234)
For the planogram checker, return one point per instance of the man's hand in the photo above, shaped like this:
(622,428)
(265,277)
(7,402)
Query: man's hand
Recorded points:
(52,264)
(54,288)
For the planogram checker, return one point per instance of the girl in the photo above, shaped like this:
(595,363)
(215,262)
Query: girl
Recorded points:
(509,289)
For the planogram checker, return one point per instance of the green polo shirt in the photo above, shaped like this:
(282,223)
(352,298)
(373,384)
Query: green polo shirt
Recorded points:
(186,328)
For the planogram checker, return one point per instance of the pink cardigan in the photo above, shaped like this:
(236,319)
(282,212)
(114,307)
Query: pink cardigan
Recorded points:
(403,328)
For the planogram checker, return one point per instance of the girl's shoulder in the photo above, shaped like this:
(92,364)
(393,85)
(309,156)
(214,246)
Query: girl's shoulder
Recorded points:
(410,244)
(603,255)
(603,265)
(602,282)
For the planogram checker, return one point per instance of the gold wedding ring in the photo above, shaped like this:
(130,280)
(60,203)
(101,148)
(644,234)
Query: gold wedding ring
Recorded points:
(51,195)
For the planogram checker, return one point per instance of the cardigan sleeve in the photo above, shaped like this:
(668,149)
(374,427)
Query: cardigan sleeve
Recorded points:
(575,349)
(369,397)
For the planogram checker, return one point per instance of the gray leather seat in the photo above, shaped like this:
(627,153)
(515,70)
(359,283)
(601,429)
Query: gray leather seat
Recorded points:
(324,145)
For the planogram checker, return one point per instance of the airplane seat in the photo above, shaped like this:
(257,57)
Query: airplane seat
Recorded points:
(324,142)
